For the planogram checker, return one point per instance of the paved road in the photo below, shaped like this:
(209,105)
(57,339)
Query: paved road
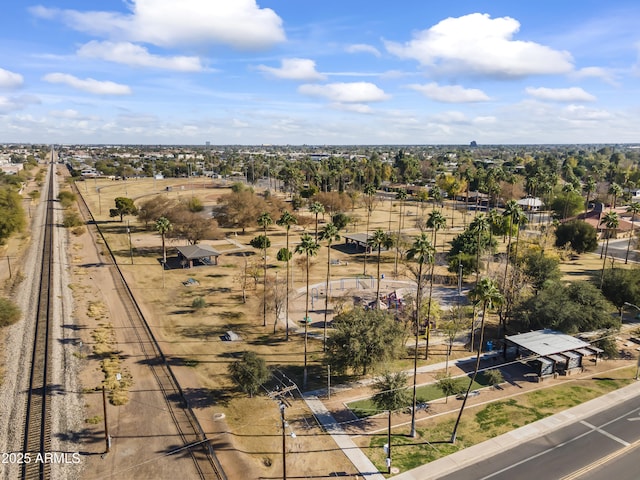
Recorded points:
(580,450)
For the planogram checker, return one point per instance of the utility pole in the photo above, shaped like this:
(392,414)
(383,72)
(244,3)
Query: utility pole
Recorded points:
(107,439)
(130,247)
(284,443)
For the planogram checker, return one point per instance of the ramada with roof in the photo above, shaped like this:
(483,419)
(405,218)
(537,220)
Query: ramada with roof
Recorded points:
(550,352)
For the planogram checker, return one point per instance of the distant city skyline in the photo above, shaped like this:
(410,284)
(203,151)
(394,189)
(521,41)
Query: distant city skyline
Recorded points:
(282,72)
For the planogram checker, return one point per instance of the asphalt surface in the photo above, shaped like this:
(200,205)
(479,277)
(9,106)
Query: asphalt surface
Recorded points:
(565,451)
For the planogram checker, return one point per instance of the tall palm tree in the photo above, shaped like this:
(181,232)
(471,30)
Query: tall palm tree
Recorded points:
(286,220)
(262,242)
(633,209)
(435,221)
(567,189)
(402,196)
(264,220)
(308,247)
(486,292)
(163,226)
(615,191)
(369,192)
(611,222)
(589,187)
(511,211)
(378,240)
(422,251)
(479,225)
(329,233)
(316,208)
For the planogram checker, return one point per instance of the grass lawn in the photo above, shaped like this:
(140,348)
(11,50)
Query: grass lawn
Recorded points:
(425,393)
(488,421)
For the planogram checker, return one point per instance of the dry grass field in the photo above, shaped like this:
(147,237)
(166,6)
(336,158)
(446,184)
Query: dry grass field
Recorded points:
(192,338)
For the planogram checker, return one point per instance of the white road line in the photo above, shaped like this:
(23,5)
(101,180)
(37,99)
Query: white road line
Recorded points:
(605,433)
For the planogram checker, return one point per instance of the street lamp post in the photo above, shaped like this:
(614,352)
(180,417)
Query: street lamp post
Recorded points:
(638,363)
(284,443)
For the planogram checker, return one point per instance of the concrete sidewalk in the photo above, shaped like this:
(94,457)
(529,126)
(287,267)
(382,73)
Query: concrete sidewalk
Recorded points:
(362,463)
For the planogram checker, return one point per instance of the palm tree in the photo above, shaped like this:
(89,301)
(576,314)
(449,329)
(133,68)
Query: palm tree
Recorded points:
(263,242)
(264,220)
(378,240)
(611,221)
(163,226)
(589,187)
(316,208)
(286,220)
(615,191)
(402,196)
(633,209)
(422,251)
(308,247)
(511,211)
(329,233)
(436,221)
(486,292)
(369,191)
(567,189)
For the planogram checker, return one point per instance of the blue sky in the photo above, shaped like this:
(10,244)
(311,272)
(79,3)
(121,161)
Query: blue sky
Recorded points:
(331,72)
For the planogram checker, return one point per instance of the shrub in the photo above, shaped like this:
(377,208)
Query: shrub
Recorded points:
(66,198)
(71,219)
(198,303)
(9,312)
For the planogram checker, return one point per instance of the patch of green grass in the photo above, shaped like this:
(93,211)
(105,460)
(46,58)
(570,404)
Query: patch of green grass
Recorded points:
(426,393)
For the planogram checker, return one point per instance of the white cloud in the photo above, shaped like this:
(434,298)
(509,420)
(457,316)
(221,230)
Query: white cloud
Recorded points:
(582,113)
(363,48)
(451,93)
(238,23)
(10,79)
(573,94)
(477,44)
(595,72)
(88,84)
(294,69)
(356,92)
(137,56)
(12,104)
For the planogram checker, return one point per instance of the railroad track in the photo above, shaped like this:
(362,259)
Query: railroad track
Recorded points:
(37,424)
(189,429)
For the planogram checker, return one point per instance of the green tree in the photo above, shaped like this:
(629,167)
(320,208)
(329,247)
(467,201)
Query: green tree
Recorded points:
(124,206)
(378,240)
(391,391)
(309,248)
(163,226)
(633,209)
(621,285)
(329,233)
(487,294)
(286,220)
(541,269)
(249,373)
(615,191)
(401,195)
(363,339)
(423,252)
(316,208)
(572,308)
(369,202)
(263,242)
(611,221)
(9,312)
(579,234)
(449,386)
(567,203)
(12,219)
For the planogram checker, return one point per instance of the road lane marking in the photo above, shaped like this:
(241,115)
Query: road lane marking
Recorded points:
(602,461)
(605,433)
(560,445)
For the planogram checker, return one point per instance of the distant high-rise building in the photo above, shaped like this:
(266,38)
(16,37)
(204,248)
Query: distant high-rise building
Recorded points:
(208,144)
